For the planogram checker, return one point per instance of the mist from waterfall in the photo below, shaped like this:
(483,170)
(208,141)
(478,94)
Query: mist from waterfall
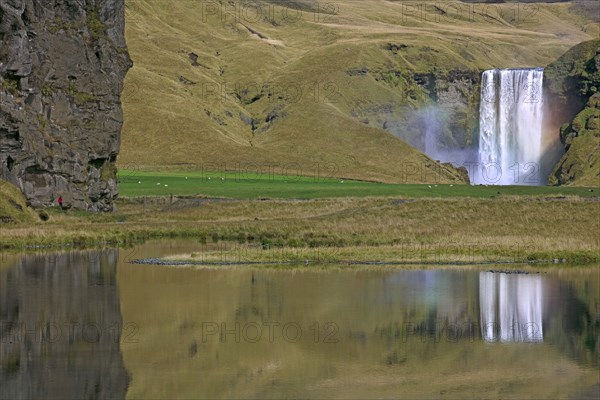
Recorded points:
(511,128)
(434,140)
(510,307)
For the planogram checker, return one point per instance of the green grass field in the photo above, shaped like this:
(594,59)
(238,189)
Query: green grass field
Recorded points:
(265,185)
(358,220)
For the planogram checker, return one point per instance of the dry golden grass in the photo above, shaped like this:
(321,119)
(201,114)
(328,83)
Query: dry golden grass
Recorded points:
(368,229)
(169,123)
(13,207)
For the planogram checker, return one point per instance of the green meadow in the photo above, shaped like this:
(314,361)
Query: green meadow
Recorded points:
(257,185)
(353,219)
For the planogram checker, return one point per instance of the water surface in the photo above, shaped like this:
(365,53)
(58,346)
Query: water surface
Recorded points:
(91,325)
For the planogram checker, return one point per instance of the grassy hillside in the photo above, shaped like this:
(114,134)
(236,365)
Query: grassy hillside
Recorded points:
(574,84)
(13,209)
(320,87)
(580,166)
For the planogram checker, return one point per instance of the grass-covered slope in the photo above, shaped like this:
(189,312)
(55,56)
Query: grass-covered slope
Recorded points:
(13,208)
(575,76)
(219,88)
(580,166)
(574,85)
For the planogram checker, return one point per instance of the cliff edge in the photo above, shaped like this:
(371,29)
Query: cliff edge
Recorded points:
(574,83)
(62,66)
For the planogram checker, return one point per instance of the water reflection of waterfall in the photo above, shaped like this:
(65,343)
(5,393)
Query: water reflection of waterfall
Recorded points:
(510,307)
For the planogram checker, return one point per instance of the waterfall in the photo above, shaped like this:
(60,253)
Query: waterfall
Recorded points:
(510,307)
(510,127)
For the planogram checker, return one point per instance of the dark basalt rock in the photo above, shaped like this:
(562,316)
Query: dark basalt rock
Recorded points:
(62,66)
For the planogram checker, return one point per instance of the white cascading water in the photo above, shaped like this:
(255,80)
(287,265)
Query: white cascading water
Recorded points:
(510,307)
(510,132)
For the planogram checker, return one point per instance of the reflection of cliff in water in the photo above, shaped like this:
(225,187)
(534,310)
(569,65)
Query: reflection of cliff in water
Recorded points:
(511,307)
(60,328)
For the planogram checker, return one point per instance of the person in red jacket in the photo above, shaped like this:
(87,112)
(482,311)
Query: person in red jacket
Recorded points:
(60,201)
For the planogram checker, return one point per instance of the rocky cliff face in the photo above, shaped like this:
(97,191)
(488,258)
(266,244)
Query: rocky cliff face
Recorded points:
(439,114)
(573,86)
(62,65)
(456,96)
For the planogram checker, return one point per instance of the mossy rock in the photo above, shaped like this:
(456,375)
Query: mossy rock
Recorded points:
(576,72)
(13,207)
(581,163)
